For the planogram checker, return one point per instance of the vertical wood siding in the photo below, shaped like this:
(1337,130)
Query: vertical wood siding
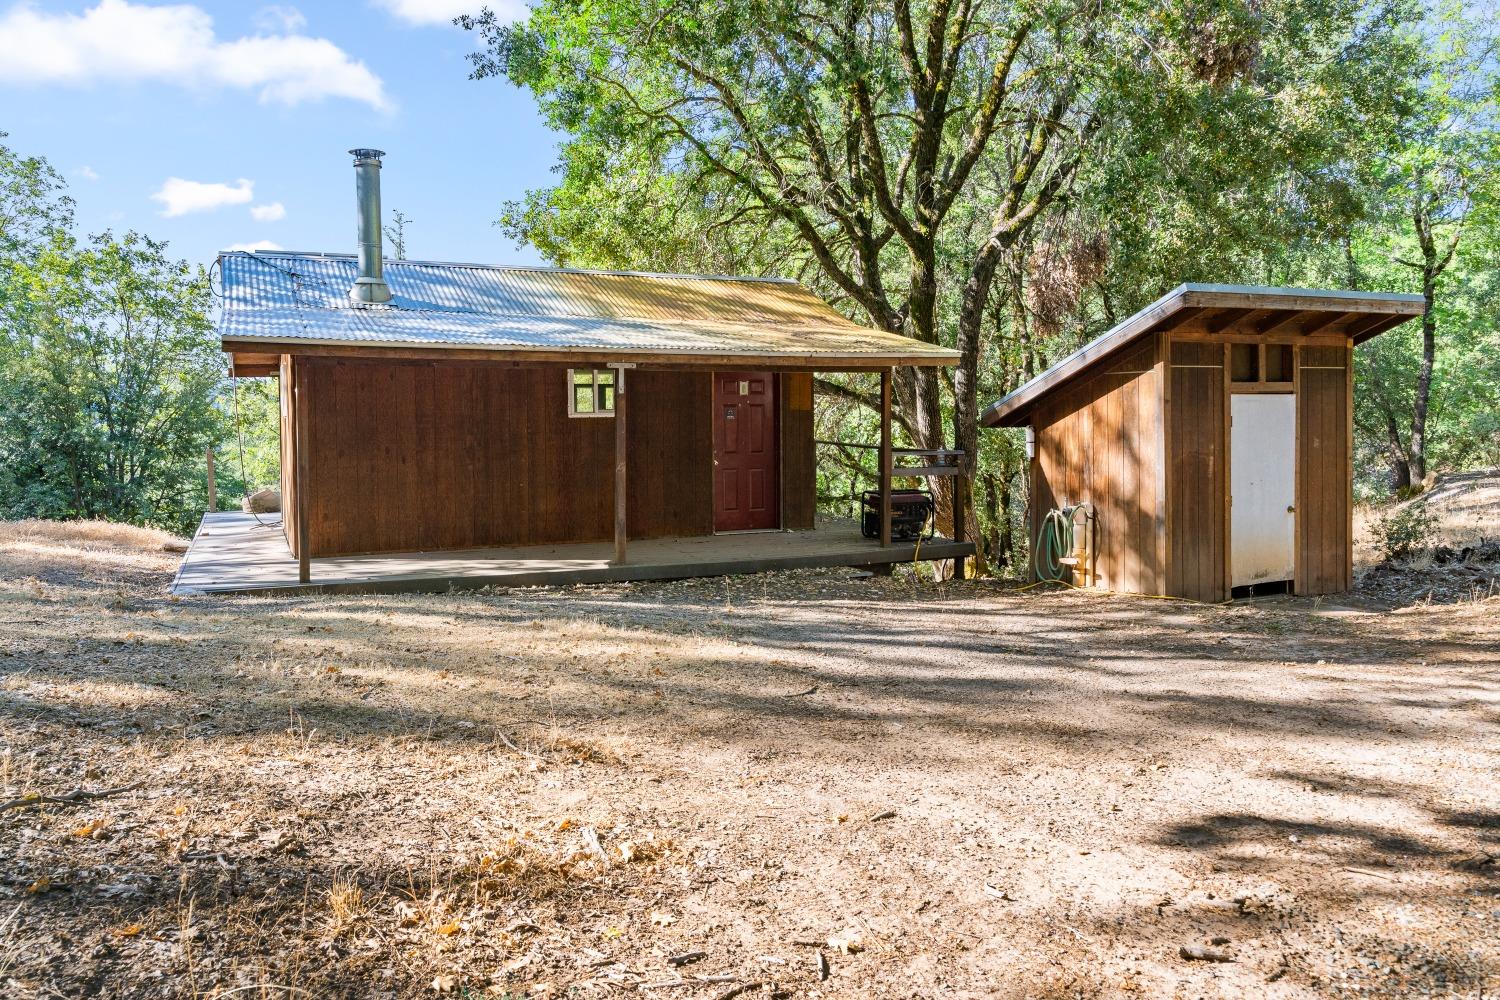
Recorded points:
(1100,441)
(670,454)
(799,459)
(408,456)
(1157,465)
(1324,500)
(1196,473)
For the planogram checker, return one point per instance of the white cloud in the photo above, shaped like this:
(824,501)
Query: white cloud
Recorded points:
(444,11)
(274,212)
(117,40)
(181,197)
(252,247)
(278,18)
(87,173)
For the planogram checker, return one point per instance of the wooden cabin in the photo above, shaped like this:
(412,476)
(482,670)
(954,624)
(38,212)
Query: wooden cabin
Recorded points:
(504,412)
(1212,434)
(512,406)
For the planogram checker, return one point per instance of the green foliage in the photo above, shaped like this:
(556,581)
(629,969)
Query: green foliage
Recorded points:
(1429,393)
(33,208)
(1403,530)
(867,149)
(249,453)
(109,372)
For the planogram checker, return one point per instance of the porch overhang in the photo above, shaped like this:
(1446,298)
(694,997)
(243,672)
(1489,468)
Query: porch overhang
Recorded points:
(252,357)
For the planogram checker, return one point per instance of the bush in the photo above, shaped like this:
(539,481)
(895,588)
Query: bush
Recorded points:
(1405,529)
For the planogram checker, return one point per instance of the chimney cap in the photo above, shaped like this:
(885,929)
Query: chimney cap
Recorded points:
(366,154)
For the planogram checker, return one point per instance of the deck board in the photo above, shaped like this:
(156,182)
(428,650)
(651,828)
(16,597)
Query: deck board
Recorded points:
(233,553)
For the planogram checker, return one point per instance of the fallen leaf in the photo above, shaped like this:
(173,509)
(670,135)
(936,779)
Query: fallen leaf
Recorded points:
(41,885)
(129,930)
(566,824)
(613,932)
(90,828)
(449,929)
(661,919)
(445,983)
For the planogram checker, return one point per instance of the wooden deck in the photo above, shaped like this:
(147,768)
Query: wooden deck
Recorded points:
(233,553)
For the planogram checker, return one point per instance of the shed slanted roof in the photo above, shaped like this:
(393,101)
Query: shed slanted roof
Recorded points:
(1230,308)
(286,298)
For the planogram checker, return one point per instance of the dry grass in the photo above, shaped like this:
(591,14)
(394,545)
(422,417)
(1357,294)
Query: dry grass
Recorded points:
(346,902)
(83,537)
(550,792)
(1467,506)
(39,552)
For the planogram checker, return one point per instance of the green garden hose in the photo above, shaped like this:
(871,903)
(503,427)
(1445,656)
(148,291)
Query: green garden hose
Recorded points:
(1054,542)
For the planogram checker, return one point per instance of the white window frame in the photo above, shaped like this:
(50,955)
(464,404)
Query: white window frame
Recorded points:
(598,395)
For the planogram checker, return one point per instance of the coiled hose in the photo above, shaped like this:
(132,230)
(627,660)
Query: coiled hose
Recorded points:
(1054,542)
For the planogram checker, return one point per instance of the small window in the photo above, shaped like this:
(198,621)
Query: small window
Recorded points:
(1278,362)
(591,392)
(1244,362)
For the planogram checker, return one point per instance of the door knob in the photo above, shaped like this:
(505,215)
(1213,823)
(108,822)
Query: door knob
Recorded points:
(1291,508)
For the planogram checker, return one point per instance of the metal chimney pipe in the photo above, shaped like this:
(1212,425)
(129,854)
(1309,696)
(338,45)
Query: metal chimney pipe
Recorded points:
(370,286)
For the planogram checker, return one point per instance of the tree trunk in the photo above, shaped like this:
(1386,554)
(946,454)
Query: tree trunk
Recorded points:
(997,513)
(1396,455)
(1417,450)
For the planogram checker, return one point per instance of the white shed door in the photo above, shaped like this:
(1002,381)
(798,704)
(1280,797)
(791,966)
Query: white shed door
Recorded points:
(1262,487)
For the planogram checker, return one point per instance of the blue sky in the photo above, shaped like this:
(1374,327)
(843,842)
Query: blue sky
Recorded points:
(194,121)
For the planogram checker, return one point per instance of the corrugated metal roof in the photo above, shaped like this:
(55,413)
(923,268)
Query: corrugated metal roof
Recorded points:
(285,296)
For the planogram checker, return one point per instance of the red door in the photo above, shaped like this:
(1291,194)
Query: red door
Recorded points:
(747,470)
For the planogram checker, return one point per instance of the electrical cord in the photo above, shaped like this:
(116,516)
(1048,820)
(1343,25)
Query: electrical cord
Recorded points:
(239,429)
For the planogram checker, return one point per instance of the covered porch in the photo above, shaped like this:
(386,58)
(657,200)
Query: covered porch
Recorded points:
(235,553)
(625,426)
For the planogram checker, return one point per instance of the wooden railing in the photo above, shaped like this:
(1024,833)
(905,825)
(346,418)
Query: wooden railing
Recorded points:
(916,463)
(933,462)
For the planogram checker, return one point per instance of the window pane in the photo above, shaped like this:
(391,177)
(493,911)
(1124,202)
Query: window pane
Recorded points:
(582,376)
(583,399)
(604,376)
(607,398)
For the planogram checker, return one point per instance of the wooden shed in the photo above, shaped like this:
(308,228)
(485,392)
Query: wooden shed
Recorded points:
(1212,435)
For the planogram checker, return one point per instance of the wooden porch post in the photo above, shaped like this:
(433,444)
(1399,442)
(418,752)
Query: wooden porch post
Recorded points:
(299,470)
(620,466)
(885,457)
(213,487)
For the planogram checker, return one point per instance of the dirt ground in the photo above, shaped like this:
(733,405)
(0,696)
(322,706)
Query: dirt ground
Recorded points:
(799,785)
